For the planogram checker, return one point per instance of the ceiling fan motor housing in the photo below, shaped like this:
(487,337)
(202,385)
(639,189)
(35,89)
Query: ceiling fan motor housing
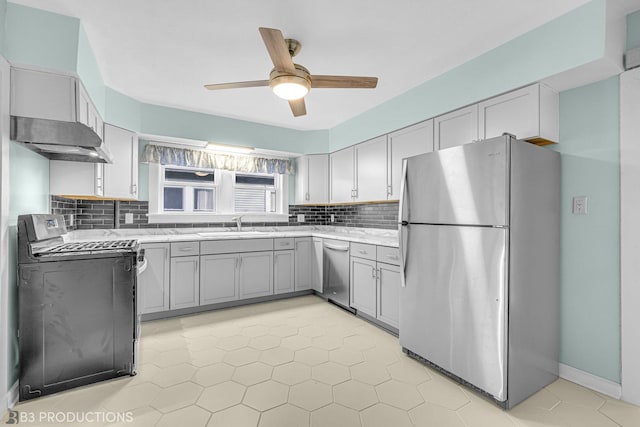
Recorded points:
(301,77)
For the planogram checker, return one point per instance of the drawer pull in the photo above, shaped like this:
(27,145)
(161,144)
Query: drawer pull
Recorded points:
(392,256)
(285,243)
(186,249)
(362,252)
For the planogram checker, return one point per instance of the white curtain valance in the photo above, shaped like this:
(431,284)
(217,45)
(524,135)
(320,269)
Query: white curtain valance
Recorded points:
(207,160)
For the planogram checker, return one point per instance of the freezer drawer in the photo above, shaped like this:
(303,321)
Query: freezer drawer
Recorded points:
(453,308)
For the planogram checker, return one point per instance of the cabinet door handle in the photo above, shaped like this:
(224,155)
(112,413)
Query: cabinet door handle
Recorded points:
(373,272)
(134,188)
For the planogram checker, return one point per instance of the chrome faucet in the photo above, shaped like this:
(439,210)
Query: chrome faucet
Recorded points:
(238,220)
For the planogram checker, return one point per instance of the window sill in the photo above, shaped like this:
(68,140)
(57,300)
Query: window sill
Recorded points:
(208,218)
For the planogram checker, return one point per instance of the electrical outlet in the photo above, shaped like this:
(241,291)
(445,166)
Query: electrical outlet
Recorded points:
(580,205)
(333,218)
(128,218)
(71,218)
(300,217)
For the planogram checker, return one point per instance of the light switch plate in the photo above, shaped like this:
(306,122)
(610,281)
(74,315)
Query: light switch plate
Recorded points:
(300,217)
(128,218)
(333,218)
(580,205)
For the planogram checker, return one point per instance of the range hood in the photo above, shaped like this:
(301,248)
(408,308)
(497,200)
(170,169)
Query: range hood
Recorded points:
(60,140)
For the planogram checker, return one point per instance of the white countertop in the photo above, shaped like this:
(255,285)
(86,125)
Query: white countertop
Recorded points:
(372,236)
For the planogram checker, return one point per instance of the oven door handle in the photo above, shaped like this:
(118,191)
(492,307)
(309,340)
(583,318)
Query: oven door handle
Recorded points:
(142,267)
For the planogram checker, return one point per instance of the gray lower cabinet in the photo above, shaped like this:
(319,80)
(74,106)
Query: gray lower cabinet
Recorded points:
(363,285)
(153,283)
(185,282)
(375,282)
(255,275)
(283,271)
(303,263)
(316,264)
(218,278)
(388,290)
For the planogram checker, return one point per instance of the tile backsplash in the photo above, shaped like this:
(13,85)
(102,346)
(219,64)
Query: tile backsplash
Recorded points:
(93,214)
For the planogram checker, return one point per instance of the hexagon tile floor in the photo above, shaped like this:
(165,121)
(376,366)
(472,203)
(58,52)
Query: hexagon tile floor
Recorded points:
(304,362)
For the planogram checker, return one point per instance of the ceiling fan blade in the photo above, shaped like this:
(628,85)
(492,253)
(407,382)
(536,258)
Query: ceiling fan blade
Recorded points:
(297,107)
(343,82)
(277,48)
(236,85)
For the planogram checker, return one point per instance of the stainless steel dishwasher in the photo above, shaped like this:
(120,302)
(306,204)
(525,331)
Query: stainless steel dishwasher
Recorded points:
(336,272)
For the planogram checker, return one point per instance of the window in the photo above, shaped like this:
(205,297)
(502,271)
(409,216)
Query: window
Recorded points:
(255,193)
(188,190)
(192,195)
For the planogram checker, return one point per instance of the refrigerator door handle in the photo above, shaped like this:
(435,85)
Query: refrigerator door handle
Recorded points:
(402,216)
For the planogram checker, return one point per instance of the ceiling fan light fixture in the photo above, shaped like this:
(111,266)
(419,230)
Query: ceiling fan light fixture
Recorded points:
(290,87)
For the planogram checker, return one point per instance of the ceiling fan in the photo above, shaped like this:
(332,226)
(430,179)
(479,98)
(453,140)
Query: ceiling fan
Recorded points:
(293,81)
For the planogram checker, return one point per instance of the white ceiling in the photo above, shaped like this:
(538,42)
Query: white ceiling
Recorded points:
(164,51)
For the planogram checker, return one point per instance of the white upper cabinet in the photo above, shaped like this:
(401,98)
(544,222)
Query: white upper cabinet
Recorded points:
(43,95)
(407,142)
(118,180)
(341,168)
(75,178)
(456,128)
(529,113)
(312,179)
(121,177)
(371,170)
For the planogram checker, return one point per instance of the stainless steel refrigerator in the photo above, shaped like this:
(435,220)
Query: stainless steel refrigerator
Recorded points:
(480,242)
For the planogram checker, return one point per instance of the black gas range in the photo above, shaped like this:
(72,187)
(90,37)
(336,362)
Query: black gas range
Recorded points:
(78,322)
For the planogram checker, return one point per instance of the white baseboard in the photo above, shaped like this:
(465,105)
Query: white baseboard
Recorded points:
(594,382)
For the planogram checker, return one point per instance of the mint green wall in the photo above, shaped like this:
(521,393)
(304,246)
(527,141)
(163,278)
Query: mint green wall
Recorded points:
(29,193)
(89,72)
(41,38)
(569,41)
(3,14)
(590,269)
(158,120)
(122,110)
(633,30)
